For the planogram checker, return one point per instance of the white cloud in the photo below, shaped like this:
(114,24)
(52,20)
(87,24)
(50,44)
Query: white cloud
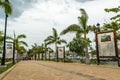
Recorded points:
(37,21)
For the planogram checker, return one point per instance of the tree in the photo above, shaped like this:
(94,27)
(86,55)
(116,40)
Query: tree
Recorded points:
(1,41)
(35,50)
(115,21)
(54,39)
(8,10)
(17,42)
(116,18)
(80,29)
(21,51)
(77,45)
(6,6)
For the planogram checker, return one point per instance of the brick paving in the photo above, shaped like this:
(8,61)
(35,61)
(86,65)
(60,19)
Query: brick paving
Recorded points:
(45,70)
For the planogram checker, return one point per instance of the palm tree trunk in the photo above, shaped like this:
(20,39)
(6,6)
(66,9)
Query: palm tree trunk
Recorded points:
(4,46)
(45,55)
(42,56)
(49,56)
(38,56)
(35,57)
(56,52)
(87,61)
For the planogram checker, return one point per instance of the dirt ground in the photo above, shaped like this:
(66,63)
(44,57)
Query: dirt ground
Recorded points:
(48,70)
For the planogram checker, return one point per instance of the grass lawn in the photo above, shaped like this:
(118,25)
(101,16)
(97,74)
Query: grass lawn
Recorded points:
(2,69)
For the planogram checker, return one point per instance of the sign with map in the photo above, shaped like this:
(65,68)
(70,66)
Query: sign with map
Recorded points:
(106,44)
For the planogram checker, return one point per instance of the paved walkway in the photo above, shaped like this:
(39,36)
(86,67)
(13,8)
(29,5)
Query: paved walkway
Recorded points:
(45,70)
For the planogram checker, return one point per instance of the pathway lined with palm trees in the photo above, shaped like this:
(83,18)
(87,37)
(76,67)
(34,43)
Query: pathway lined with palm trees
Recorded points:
(48,70)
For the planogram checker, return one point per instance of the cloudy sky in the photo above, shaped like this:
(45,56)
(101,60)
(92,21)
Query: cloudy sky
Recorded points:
(36,18)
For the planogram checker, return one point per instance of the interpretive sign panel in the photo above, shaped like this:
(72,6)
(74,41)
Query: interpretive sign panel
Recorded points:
(9,50)
(106,45)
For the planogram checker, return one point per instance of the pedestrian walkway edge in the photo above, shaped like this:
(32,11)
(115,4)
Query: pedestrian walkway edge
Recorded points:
(6,72)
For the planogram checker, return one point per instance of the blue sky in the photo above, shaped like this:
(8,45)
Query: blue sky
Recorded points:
(36,18)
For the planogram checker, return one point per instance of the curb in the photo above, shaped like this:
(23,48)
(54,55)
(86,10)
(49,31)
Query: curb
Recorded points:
(6,72)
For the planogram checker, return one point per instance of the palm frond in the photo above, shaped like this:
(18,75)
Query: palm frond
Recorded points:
(83,12)
(21,36)
(7,7)
(49,38)
(49,42)
(9,38)
(83,19)
(23,43)
(71,28)
(55,34)
(63,41)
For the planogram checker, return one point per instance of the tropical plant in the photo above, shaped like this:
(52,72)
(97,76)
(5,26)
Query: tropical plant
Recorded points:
(77,45)
(1,41)
(80,29)
(16,40)
(21,51)
(30,53)
(54,39)
(35,50)
(8,10)
(115,18)
(7,6)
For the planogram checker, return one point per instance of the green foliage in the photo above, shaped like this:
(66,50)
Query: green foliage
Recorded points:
(1,42)
(2,69)
(116,18)
(6,6)
(112,26)
(17,40)
(80,29)
(54,38)
(77,45)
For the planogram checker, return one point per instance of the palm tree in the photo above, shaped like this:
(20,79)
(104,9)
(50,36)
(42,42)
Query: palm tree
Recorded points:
(54,39)
(1,41)
(34,49)
(7,6)
(80,29)
(8,10)
(17,42)
(21,51)
(45,49)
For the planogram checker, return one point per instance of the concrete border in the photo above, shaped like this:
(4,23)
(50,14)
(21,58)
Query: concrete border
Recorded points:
(2,75)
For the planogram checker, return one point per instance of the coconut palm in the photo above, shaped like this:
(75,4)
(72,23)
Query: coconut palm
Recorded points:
(6,6)
(21,51)
(8,10)
(35,50)
(54,39)
(17,42)
(1,41)
(80,29)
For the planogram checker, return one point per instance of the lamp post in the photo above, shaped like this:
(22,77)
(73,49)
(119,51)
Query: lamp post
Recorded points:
(97,30)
